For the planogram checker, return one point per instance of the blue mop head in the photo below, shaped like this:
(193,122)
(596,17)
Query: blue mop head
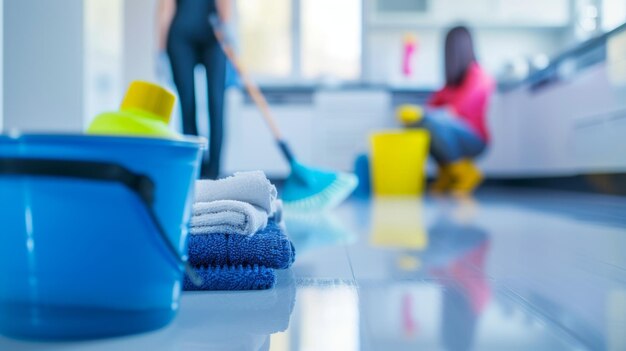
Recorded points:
(309,189)
(232,278)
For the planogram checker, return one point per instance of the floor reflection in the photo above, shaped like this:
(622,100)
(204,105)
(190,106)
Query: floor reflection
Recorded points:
(243,320)
(329,318)
(457,260)
(442,294)
(398,223)
(237,321)
(316,230)
(326,318)
(503,273)
(616,319)
(436,290)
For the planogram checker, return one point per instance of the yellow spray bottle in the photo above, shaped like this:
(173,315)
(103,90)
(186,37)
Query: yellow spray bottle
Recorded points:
(145,111)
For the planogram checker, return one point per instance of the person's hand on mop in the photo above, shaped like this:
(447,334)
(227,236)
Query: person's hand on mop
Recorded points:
(225,29)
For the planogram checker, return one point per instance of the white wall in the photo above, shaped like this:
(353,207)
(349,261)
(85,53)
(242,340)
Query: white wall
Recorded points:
(66,60)
(504,30)
(140,57)
(384,57)
(43,65)
(494,47)
(491,13)
(103,45)
(139,40)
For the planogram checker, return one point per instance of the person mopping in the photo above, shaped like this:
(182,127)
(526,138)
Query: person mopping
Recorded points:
(455,116)
(187,37)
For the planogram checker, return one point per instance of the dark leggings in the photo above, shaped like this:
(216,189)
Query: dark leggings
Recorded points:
(187,47)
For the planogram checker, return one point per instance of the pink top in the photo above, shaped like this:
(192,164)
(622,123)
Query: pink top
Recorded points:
(469,100)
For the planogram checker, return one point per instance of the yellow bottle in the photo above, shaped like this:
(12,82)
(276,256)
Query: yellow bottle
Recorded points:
(145,111)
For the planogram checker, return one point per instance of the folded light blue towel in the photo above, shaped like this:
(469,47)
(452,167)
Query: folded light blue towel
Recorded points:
(269,247)
(240,204)
(251,187)
(232,278)
(227,216)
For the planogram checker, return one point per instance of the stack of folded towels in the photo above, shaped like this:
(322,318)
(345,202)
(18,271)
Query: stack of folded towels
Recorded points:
(237,236)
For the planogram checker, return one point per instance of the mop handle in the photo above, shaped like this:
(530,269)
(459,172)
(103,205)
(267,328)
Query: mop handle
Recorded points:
(252,89)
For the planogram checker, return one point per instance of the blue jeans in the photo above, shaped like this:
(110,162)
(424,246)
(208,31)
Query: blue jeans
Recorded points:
(451,138)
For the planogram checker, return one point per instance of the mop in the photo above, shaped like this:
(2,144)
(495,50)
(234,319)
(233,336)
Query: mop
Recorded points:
(306,188)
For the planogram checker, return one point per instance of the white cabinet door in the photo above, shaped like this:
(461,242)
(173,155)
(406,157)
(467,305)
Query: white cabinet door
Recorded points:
(249,144)
(343,123)
(329,133)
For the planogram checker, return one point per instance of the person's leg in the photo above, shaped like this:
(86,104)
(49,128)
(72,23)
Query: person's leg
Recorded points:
(215,64)
(183,58)
(453,145)
(451,138)
(471,145)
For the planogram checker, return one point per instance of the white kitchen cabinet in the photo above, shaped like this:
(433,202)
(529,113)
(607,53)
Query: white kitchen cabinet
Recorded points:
(249,145)
(344,121)
(566,128)
(328,133)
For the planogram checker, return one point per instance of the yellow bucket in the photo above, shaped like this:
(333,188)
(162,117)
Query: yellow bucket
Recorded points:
(398,164)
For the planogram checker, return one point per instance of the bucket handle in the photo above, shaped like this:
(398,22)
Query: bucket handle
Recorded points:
(141,185)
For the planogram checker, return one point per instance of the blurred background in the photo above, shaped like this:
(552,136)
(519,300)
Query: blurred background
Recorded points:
(333,72)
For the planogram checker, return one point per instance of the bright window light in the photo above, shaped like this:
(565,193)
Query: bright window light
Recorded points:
(265,34)
(331,39)
(613,13)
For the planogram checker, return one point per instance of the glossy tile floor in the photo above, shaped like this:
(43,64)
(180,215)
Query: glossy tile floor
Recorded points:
(509,270)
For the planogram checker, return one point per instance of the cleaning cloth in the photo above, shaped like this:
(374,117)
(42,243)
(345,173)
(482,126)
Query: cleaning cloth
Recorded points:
(251,187)
(227,216)
(268,247)
(232,278)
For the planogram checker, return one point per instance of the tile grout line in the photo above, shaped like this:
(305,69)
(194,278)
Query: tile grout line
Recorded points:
(362,316)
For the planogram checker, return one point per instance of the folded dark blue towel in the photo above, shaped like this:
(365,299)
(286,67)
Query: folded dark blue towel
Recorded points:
(232,278)
(269,247)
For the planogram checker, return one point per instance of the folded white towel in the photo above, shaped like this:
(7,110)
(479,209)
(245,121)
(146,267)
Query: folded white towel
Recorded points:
(251,187)
(227,217)
(277,215)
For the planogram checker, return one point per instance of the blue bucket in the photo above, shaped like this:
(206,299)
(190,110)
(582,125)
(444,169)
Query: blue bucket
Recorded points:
(93,233)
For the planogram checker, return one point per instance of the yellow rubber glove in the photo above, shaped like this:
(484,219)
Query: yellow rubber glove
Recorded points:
(409,114)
